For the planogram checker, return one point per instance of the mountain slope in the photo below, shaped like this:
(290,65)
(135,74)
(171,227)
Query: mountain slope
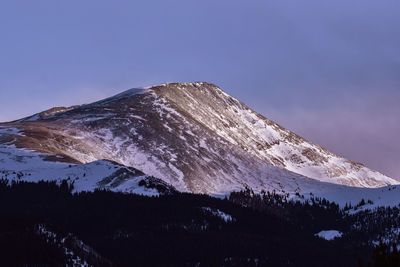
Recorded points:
(193,136)
(25,165)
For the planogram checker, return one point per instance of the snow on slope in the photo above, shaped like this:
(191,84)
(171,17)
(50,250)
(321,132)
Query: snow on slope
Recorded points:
(76,251)
(195,137)
(24,165)
(243,127)
(329,234)
(220,214)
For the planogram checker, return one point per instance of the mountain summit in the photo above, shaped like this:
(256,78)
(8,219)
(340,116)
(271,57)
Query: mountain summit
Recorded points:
(193,136)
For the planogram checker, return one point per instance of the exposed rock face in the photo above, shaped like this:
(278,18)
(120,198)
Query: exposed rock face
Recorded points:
(193,136)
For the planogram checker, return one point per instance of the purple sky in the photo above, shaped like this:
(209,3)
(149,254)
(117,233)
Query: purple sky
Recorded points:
(329,70)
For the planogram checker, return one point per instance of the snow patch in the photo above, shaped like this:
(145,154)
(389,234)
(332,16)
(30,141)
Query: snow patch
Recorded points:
(329,234)
(218,213)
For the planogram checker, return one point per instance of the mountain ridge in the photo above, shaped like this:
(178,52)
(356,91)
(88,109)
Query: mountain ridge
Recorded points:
(193,136)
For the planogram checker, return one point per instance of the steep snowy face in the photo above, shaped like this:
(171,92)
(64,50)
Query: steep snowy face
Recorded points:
(193,136)
(24,165)
(237,124)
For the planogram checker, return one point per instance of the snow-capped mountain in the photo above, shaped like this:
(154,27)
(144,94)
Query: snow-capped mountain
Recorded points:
(193,136)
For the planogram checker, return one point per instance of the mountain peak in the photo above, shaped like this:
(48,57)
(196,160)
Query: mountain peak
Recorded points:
(184,85)
(165,89)
(195,137)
